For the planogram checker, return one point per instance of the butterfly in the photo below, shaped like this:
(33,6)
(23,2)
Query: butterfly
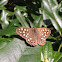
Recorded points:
(34,36)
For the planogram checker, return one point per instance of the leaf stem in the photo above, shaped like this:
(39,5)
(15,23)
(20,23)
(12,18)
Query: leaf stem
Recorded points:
(60,47)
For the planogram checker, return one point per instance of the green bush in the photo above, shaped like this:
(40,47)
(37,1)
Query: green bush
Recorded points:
(30,13)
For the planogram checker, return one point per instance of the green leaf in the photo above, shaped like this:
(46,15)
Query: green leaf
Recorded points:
(17,48)
(38,21)
(47,52)
(5,22)
(31,24)
(17,51)
(10,30)
(12,51)
(57,56)
(34,13)
(4,42)
(3,2)
(51,10)
(31,54)
(9,13)
(2,8)
(21,8)
(21,18)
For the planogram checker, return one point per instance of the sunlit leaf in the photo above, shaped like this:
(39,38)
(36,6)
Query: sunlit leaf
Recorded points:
(5,22)
(3,2)
(21,18)
(51,10)
(12,51)
(47,52)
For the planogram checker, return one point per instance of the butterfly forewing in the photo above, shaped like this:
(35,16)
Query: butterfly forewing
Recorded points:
(23,32)
(43,33)
(28,34)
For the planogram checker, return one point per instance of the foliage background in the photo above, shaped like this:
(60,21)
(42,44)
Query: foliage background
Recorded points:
(30,13)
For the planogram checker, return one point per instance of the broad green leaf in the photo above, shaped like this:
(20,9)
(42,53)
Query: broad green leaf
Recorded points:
(51,10)
(38,22)
(9,13)
(21,8)
(12,51)
(17,51)
(31,54)
(10,30)
(60,60)
(5,22)
(2,8)
(34,16)
(17,48)
(47,52)
(57,56)
(3,2)
(21,18)
(4,42)
(50,37)
(16,23)
(31,24)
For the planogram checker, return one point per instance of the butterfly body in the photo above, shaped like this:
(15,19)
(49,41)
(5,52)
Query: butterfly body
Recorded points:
(34,36)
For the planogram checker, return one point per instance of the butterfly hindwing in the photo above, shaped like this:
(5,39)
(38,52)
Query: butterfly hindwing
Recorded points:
(43,33)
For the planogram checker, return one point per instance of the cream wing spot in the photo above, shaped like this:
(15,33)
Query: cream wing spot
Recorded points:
(45,35)
(41,38)
(43,29)
(42,34)
(26,35)
(20,32)
(42,41)
(21,28)
(23,31)
(23,34)
(32,41)
(27,29)
(30,38)
(47,32)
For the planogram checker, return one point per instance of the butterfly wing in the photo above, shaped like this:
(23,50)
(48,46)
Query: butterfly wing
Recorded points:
(22,31)
(32,39)
(28,34)
(43,33)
